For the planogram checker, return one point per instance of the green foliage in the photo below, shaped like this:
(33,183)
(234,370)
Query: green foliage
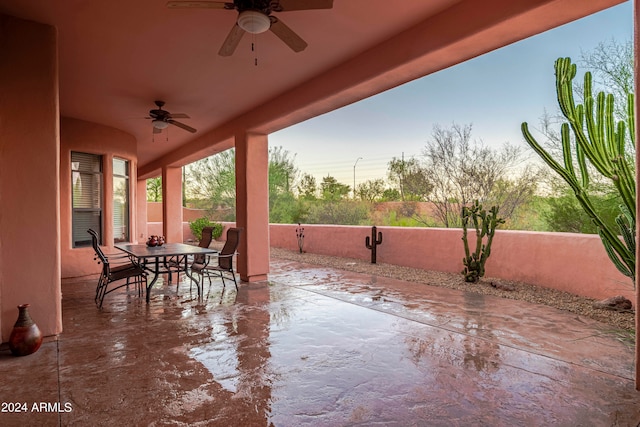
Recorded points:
(370,190)
(601,144)
(565,213)
(307,188)
(410,179)
(212,181)
(154,189)
(199,224)
(344,212)
(391,195)
(462,170)
(286,209)
(332,190)
(485,225)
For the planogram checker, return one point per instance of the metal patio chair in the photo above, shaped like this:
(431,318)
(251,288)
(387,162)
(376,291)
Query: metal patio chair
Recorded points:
(174,264)
(220,265)
(116,272)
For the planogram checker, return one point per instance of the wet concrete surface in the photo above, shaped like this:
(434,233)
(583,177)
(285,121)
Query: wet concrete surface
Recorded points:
(320,347)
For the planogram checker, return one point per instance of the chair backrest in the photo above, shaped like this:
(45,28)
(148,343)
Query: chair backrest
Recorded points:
(229,248)
(96,247)
(205,241)
(207,237)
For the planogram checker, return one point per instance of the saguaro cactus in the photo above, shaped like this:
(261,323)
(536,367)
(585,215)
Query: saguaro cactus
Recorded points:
(485,225)
(373,242)
(601,142)
(300,236)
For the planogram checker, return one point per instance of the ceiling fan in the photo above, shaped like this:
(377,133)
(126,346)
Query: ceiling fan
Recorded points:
(254,16)
(161,119)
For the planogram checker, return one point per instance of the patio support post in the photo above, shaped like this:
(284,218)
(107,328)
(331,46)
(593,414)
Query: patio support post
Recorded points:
(30,262)
(172,204)
(141,212)
(636,36)
(252,205)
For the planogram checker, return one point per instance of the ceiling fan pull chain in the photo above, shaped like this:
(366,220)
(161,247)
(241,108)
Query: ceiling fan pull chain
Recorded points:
(254,49)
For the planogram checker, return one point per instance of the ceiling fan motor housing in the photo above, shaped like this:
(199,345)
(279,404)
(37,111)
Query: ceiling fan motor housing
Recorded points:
(254,22)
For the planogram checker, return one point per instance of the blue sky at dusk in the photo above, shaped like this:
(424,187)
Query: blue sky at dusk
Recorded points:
(495,92)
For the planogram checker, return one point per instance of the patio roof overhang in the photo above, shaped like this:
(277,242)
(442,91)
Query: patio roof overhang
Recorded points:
(117,57)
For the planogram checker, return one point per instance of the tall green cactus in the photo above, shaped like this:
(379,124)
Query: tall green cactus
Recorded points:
(601,142)
(485,224)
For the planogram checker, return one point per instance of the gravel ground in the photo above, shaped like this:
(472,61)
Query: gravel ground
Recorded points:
(623,321)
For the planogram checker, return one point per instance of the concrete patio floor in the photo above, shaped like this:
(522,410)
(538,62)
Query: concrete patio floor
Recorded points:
(319,347)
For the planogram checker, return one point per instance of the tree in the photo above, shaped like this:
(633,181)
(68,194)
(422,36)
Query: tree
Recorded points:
(612,66)
(283,207)
(282,171)
(411,179)
(307,188)
(212,182)
(462,170)
(370,190)
(332,190)
(391,195)
(154,189)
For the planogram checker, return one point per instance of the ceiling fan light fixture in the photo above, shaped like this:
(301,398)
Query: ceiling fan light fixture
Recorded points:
(160,124)
(253,22)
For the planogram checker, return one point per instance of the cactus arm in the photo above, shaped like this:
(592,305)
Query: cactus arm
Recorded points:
(367,243)
(582,197)
(603,146)
(631,123)
(623,267)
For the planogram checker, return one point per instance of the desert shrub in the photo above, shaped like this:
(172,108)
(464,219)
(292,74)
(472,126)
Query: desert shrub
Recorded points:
(199,224)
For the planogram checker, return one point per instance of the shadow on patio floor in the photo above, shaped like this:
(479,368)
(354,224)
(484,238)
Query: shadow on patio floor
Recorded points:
(320,347)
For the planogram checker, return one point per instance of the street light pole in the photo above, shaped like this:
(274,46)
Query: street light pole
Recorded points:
(354,177)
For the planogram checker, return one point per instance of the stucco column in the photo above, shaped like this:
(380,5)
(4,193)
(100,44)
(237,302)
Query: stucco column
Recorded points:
(636,37)
(172,204)
(141,211)
(252,205)
(30,264)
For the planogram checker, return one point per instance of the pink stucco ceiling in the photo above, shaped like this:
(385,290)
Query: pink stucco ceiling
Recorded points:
(117,57)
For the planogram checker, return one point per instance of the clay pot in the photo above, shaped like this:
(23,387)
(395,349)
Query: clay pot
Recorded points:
(25,337)
(160,240)
(153,241)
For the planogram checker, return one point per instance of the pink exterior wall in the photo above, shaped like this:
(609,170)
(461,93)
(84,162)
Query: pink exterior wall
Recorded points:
(575,263)
(86,137)
(29,175)
(154,213)
(172,204)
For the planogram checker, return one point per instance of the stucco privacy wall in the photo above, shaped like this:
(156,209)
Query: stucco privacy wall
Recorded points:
(575,263)
(87,137)
(154,213)
(29,175)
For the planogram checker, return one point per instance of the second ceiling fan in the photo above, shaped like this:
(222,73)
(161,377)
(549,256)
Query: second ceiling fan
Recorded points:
(254,16)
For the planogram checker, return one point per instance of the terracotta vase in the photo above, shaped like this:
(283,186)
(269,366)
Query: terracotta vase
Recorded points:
(25,337)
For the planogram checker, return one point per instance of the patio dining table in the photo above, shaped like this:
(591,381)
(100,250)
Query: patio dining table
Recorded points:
(154,258)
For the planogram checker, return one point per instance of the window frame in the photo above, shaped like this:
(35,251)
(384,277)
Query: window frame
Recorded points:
(127,207)
(76,212)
